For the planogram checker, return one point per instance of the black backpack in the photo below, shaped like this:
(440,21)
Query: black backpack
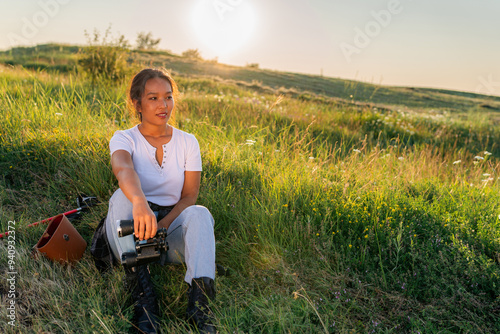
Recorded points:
(100,250)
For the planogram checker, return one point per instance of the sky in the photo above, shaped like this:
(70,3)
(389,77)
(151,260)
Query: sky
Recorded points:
(450,44)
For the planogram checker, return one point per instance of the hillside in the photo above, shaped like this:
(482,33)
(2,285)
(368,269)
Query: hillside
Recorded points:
(332,214)
(63,57)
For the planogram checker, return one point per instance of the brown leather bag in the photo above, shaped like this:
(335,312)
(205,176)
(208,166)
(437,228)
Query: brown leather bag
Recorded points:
(61,241)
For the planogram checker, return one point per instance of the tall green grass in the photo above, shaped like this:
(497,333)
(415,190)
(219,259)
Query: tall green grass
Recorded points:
(60,57)
(331,218)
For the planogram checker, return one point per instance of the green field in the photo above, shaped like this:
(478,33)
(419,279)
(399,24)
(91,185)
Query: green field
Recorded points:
(340,207)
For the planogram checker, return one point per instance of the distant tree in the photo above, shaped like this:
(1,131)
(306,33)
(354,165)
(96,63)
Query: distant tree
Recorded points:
(123,43)
(192,53)
(214,61)
(146,41)
(253,65)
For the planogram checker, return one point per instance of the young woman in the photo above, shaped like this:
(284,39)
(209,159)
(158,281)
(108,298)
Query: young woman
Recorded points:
(158,168)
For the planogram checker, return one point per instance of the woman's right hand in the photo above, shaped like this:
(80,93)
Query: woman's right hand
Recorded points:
(145,225)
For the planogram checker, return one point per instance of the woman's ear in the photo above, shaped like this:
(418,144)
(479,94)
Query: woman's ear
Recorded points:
(137,105)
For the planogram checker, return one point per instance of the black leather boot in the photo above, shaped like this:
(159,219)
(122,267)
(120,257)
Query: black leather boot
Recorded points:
(138,282)
(200,292)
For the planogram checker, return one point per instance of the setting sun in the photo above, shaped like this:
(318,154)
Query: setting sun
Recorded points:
(223,26)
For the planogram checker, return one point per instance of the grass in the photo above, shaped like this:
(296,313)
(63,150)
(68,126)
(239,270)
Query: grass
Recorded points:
(303,86)
(332,217)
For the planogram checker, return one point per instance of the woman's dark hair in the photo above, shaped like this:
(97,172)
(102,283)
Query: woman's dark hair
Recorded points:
(138,85)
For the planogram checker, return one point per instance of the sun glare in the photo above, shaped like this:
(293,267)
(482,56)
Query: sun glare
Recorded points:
(224,26)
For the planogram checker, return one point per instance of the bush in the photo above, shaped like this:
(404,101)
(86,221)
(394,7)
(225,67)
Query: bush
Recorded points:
(253,65)
(192,53)
(105,58)
(146,41)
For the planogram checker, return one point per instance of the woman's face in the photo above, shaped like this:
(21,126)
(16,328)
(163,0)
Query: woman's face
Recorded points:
(157,102)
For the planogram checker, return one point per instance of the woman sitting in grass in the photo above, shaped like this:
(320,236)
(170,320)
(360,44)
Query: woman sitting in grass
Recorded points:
(158,168)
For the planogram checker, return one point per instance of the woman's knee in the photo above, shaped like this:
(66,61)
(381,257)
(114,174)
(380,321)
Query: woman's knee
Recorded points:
(120,206)
(119,198)
(198,211)
(198,215)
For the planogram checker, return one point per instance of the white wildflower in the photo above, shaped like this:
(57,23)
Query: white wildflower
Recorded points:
(487,153)
(356,150)
(311,158)
(486,174)
(457,162)
(477,157)
(401,158)
(58,114)
(250,142)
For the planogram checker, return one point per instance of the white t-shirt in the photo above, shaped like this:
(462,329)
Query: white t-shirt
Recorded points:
(161,184)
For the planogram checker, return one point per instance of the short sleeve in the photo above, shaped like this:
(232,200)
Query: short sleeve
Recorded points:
(193,157)
(120,141)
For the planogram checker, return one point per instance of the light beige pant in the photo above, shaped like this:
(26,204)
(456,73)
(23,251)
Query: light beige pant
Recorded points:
(190,237)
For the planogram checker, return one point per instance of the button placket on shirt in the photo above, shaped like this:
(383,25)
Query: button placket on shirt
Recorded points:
(164,156)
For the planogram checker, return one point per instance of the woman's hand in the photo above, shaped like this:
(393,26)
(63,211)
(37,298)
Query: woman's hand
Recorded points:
(145,225)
